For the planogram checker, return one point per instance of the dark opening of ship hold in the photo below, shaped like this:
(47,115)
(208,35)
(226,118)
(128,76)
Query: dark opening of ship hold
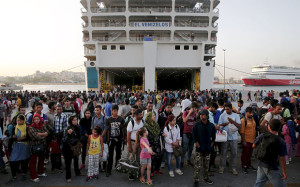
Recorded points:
(174,79)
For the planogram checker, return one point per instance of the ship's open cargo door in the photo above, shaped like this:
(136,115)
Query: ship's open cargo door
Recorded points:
(174,79)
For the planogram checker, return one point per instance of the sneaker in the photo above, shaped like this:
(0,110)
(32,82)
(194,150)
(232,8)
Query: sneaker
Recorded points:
(42,175)
(69,180)
(233,171)
(208,181)
(46,161)
(88,179)
(158,173)
(189,163)
(221,170)
(287,163)
(142,179)
(171,173)
(290,159)
(162,165)
(82,166)
(179,172)
(245,169)
(252,168)
(149,182)
(131,178)
(196,184)
(35,180)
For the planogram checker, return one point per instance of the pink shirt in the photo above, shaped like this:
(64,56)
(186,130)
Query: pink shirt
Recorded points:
(144,151)
(286,133)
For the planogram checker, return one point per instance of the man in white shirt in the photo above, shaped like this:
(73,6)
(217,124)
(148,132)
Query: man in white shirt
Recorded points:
(186,103)
(241,109)
(133,127)
(275,114)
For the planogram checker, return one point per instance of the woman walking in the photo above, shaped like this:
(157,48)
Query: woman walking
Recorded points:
(21,150)
(37,133)
(85,129)
(71,145)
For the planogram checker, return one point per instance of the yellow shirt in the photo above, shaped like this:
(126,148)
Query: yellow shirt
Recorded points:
(249,131)
(95,145)
(19,102)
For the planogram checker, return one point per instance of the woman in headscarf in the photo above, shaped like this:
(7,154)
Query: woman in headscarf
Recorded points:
(71,139)
(85,129)
(154,134)
(21,150)
(37,133)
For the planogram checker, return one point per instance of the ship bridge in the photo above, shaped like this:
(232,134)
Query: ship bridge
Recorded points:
(156,44)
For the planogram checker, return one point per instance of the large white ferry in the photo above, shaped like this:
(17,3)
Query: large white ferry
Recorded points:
(270,75)
(155,44)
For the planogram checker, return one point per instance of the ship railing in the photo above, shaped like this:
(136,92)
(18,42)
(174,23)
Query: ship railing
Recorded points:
(109,24)
(107,10)
(210,52)
(132,23)
(190,39)
(101,39)
(141,38)
(191,10)
(151,9)
(189,24)
(89,51)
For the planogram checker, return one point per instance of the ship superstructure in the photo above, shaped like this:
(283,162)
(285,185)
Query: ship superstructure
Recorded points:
(156,44)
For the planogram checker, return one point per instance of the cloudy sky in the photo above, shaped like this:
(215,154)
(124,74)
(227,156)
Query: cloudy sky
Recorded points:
(46,35)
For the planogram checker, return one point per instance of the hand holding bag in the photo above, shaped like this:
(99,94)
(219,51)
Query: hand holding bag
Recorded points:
(176,150)
(221,136)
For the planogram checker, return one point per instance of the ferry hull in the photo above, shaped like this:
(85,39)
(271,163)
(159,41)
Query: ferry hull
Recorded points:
(271,82)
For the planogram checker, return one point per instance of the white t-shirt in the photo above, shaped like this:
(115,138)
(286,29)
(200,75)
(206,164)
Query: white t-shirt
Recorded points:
(45,108)
(185,103)
(269,116)
(134,129)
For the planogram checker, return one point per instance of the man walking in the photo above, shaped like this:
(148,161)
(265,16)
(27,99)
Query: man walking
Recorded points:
(204,134)
(248,134)
(230,122)
(270,146)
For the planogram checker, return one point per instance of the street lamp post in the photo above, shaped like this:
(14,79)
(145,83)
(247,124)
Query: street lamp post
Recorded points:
(224,67)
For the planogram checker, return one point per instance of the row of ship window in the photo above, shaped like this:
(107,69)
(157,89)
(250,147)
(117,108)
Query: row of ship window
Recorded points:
(177,47)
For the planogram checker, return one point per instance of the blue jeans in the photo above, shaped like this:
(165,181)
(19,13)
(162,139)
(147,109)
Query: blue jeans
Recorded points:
(265,174)
(169,158)
(187,145)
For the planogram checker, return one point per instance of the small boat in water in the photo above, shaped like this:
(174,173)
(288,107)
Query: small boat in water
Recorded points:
(10,86)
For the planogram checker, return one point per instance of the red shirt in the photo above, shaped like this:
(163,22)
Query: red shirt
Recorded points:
(55,147)
(188,126)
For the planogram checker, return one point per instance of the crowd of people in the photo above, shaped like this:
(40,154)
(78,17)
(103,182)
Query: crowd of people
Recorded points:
(59,130)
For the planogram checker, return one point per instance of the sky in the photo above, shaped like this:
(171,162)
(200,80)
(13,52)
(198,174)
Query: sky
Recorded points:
(46,35)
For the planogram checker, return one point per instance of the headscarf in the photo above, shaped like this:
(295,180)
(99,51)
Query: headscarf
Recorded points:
(151,126)
(38,126)
(20,130)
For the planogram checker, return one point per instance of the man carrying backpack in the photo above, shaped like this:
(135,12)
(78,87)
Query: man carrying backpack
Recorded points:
(248,134)
(269,147)
(275,114)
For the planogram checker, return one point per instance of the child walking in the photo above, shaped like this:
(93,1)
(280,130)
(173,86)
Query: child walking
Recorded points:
(94,151)
(288,141)
(145,156)
(55,155)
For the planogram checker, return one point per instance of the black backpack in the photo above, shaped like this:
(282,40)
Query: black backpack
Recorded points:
(268,148)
